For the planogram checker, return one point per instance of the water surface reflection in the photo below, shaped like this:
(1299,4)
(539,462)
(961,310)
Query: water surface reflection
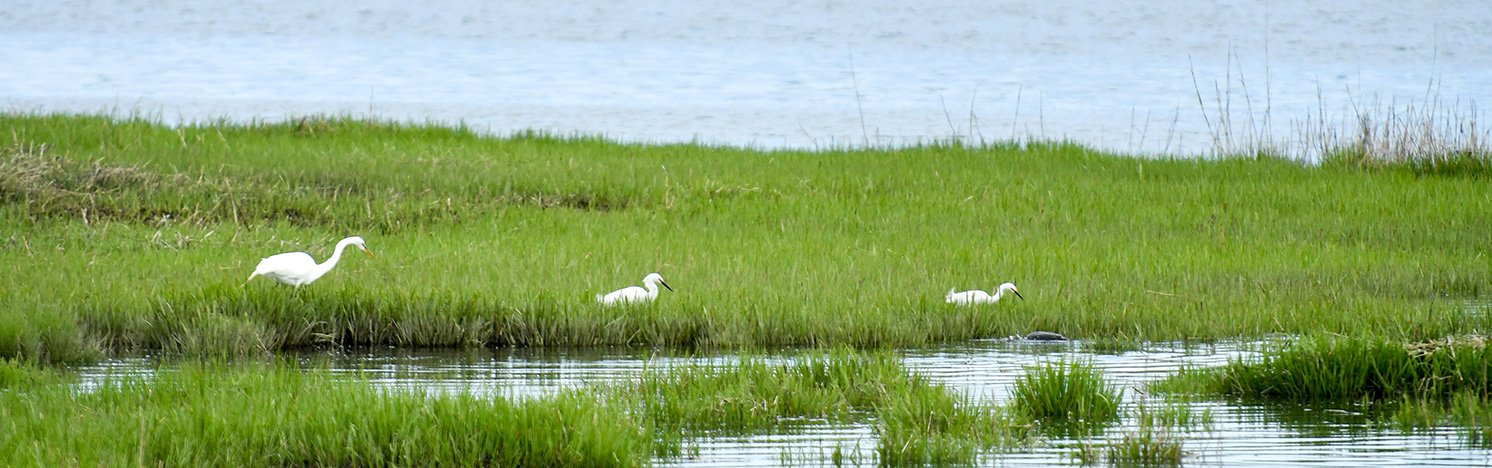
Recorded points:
(1238,434)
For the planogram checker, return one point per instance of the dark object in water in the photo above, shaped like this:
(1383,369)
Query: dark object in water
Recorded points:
(1045,336)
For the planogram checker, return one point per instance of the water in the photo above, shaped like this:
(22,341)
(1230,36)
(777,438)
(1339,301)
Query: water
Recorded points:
(1239,435)
(1122,75)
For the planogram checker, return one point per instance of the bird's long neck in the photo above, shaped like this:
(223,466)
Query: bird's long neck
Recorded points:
(652,288)
(327,265)
(1000,292)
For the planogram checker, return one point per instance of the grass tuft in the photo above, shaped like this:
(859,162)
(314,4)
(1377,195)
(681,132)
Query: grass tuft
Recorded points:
(1067,396)
(1144,447)
(1468,411)
(1349,369)
(919,422)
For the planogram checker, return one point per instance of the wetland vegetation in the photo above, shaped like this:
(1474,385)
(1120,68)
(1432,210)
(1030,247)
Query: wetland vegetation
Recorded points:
(1397,385)
(276,414)
(258,414)
(125,235)
(1069,395)
(1347,369)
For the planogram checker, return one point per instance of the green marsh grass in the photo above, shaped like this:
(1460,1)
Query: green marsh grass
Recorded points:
(1352,369)
(259,414)
(19,374)
(124,234)
(757,393)
(1383,382)
(1143,447)
(267,415)
(1070,397)
(919,422)
(930,426)
(1112,345)
(1468,411)
(1156,439)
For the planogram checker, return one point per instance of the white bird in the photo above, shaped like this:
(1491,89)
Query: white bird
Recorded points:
(635,294)
(297,268)
(980,297)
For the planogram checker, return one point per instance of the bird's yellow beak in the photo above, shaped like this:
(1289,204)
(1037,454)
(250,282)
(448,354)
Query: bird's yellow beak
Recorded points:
(370,253)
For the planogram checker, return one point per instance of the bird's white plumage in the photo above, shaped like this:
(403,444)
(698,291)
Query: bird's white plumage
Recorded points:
(635,294)
(298,268)
(976,296)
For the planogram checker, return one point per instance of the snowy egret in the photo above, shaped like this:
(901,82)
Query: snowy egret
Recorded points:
(980,297)
(297,268)
(635,294)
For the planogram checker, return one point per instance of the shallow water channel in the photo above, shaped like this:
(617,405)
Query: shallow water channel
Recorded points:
(1228,434)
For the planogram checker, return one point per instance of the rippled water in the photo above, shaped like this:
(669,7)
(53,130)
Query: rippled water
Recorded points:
(1124,75)
(1239,435)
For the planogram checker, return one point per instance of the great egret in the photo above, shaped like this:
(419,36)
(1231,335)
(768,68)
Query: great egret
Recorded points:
(297,268)
(635,294)
(980,297)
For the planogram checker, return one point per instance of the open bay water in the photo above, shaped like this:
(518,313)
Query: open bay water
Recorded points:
(1228,433)
(1122,75)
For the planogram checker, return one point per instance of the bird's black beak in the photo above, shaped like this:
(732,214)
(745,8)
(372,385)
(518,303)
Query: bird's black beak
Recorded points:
(670,288)
(1018,294)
